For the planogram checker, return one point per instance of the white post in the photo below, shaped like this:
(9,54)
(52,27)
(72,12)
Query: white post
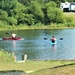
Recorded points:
(24,57)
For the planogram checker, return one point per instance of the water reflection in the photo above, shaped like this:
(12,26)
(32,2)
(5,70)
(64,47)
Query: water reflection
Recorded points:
(12,72)
(14,45)
(54,48)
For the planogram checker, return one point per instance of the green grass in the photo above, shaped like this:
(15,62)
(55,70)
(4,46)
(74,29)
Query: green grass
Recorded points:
(54,26)
(60,70)
(31,65)
(70,14)
(5,56)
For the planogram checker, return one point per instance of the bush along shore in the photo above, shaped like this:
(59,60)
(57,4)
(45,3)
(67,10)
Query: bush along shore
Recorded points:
(52,26)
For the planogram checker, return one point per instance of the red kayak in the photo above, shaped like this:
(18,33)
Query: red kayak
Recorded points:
(10,38)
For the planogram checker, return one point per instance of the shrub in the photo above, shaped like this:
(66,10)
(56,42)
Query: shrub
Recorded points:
(69,19)
(53,14)
(70,24)
(5,56)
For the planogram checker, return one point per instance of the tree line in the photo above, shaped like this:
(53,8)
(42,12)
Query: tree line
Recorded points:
(30,12)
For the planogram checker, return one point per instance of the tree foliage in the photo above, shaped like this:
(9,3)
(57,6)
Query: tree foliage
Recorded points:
(30,12)
(54,15)
(3,15)
(7,4)
(36,10)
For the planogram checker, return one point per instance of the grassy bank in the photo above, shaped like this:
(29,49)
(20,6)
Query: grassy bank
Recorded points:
(68,69)
(52,26)
(31,65)
(34,67)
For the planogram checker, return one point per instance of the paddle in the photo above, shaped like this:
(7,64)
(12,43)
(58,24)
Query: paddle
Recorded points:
(8,33)
(61,38)
(47,38)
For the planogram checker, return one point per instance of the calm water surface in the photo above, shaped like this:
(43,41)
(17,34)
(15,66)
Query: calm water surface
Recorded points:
(37,48)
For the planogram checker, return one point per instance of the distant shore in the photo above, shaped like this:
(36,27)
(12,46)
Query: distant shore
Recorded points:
(35,27)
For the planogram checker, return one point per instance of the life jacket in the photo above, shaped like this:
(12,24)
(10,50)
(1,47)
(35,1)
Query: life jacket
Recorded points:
(53,40)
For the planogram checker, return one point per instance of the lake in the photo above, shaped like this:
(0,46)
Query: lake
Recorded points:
(38,48)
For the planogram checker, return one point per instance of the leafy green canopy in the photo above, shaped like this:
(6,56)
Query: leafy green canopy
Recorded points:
(30,12)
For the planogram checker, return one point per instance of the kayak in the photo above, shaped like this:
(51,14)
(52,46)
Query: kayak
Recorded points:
(10,38)
(53,43)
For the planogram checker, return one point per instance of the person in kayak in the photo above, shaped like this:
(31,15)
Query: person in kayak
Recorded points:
(13,35)
(53,39)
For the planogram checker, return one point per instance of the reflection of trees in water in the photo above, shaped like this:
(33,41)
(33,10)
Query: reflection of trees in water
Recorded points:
(31,34)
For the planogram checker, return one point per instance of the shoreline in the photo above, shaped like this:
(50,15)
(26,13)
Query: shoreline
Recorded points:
(33,28)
